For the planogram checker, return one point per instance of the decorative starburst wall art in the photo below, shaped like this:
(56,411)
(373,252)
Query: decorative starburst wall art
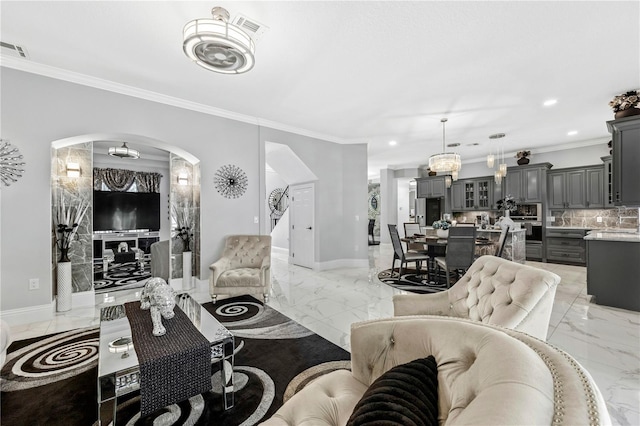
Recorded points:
(230,181)
(11,164)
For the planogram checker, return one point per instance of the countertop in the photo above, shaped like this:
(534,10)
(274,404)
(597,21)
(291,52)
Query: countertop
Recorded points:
(569,227)
(629,236)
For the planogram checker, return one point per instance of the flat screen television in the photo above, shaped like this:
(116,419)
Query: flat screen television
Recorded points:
(126,211)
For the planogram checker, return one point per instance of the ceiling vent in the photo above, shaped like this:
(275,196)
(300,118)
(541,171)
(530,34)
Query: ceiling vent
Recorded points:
(255,29)
(14,50)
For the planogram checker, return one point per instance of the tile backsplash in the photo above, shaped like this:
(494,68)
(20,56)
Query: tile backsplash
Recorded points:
(624,218)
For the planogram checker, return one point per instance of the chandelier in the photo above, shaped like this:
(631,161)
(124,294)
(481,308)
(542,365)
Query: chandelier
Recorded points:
(217,45)
(445,161)
(124,152)
(501,172)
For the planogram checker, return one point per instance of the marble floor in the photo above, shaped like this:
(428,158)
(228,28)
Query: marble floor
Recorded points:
(606,341)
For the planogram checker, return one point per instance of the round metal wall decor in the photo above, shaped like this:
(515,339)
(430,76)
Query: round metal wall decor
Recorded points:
(230,181)
(11,164)
(278,201)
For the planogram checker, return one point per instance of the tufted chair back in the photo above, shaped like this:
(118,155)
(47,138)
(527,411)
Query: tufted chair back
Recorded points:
(244,268)
(495,291)
(487,375)
(246,251)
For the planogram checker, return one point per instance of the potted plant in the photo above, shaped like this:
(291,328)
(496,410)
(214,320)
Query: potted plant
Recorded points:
(523,157)
(626,104)
(442,228)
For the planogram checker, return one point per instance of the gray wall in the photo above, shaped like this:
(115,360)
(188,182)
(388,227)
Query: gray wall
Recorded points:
(37,110)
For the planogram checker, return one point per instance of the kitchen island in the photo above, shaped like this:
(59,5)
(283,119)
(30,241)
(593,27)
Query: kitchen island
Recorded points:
(613,268)
(514,249)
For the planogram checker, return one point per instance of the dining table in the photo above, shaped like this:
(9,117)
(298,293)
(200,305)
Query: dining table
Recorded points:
(432,242)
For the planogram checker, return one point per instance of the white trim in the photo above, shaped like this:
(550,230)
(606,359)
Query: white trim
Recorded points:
(83,299)
(280,250)
(111,86)
(341,263)
(29,314)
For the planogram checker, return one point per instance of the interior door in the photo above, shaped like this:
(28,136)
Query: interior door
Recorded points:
(302,205)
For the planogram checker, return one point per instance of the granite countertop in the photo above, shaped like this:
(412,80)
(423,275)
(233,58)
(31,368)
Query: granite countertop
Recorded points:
(630,236)
(569,227)
(498,230)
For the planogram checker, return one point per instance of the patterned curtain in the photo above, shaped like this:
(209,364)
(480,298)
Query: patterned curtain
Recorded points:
(121,180)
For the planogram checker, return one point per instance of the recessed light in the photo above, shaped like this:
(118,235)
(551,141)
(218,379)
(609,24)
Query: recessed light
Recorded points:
(393,143)
(550,102)
(473,144)
(572,133)
(453,145)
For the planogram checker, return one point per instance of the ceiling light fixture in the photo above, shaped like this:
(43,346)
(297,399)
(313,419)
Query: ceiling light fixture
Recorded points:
(550,102)
(572,133)
(393,143)
(502,166)
(445,161)
(124,152)
(217,45)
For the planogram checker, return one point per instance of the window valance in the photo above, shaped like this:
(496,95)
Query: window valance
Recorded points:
(121,180)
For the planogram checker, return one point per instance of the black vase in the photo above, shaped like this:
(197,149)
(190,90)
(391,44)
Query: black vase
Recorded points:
(64,255)
(522,161)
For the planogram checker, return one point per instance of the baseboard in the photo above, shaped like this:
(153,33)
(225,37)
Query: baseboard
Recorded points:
(29,314)
(280,250)
(341,263)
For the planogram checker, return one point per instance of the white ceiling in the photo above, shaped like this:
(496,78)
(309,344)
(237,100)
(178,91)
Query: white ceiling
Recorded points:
(367,72)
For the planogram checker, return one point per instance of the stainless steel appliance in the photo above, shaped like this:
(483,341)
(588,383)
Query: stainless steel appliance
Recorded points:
(427,210)
(530,217)
(528,212)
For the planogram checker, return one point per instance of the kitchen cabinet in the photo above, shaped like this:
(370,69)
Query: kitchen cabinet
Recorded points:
(472,194)
(625,160)
(576,188)
(607,182)
(430,187)
(566,246)
(527,184)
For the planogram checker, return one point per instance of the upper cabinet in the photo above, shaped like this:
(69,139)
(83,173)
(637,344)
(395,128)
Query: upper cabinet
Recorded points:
(607,181)
(527,184)
(473,194)
(430,187)
(626,160)
(576,188)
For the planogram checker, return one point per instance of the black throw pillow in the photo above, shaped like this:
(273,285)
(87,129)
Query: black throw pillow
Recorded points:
(406,395)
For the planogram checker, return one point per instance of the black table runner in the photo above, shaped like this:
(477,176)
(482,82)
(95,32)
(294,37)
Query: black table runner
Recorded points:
(173,367)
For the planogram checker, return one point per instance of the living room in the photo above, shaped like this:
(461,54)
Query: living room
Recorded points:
(49,101)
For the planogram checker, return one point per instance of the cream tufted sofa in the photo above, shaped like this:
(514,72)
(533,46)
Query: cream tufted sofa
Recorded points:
(245,267)
(487,375)
(494,290)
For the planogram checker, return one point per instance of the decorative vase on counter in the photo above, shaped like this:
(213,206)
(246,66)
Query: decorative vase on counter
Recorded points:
(64,287)
(442,233)
(186,270)
(522,161)
(506,220)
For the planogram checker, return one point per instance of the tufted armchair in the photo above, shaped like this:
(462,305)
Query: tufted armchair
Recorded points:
(245,267)
(487,375)
(494,290)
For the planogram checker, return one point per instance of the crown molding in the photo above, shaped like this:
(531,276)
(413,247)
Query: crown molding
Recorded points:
(123,89)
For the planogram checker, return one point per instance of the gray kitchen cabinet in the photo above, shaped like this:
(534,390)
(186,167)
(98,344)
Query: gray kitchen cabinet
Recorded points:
(566,246)
(576,188)
(527,184)
(625,160)
(607,182)
(472,194)
(431,187)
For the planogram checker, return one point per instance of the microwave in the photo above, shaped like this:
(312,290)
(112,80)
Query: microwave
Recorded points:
(528,213)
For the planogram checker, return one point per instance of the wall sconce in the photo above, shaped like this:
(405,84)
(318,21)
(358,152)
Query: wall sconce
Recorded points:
(183,178)
(73,170)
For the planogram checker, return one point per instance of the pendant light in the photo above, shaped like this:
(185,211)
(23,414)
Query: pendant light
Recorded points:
(501,172)
(445,161)
(124,152)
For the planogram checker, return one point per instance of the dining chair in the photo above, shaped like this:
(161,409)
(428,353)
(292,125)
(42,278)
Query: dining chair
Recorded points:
(461,247)
(399,253)
(502,241)
(370,228)
(410,229)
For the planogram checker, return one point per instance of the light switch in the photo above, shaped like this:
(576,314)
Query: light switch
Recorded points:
(599,219)
(256,219)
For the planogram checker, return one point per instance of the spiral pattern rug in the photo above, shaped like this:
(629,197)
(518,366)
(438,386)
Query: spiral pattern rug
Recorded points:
(120,276)
(412,281)
(52,380)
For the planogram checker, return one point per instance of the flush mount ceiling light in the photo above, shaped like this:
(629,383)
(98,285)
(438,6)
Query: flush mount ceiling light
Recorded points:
(445,161)
(124,152)
(217,45)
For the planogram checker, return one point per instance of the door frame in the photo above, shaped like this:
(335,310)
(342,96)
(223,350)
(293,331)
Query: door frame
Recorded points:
(292,220)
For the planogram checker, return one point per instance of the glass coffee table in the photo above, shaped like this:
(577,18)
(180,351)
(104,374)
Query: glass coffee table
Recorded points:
(118,368)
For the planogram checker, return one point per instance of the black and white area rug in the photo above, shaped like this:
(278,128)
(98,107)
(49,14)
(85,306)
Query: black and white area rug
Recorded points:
(411,281)
(52,380)
(120,276)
